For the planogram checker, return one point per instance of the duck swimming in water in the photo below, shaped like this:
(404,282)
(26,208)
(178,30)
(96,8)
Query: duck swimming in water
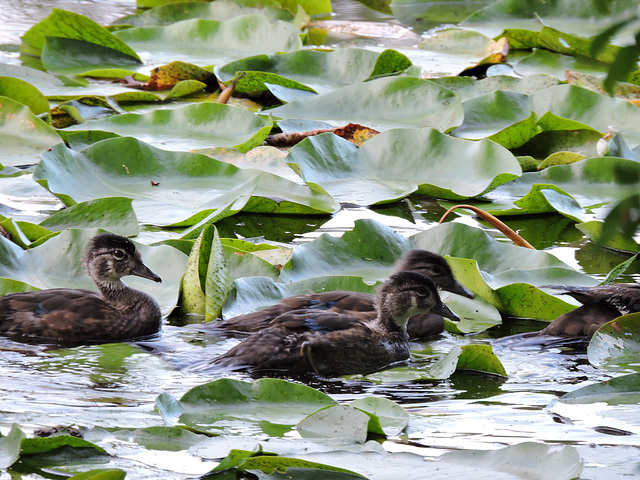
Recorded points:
(331,344)
(358,304)
(600,304)
(76,316)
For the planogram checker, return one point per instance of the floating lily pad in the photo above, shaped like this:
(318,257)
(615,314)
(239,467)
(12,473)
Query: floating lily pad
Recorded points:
(227,39)
(432,163)
(616,344)
(320,70)
(198,125)
(218,10)
(25,93)
(218,404)
(385,102)
(170,188)
(23,135)
(69,25)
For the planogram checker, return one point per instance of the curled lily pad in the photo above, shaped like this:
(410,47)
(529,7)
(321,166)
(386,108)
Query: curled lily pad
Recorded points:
(432,165)
(25,93)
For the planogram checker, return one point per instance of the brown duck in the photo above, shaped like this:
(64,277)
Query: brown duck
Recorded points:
(600,304)
(331,344)
(359,304)
(74,316)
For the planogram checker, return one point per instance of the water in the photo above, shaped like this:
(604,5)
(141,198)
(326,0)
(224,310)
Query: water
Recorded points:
(114,387)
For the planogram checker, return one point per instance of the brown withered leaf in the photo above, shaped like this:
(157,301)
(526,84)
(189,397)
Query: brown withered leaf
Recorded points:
(355,133)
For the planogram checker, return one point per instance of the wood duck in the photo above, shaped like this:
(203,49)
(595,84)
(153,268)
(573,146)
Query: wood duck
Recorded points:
(74,316)
(330,343)
(360,304)
(600,304)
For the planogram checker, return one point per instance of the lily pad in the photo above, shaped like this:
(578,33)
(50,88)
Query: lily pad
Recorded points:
(616,391)
(218,10)
(616,345)
(23,135)
(169,188)
(320,70)
(216,405)
(25,93)
(432,163)
(227,39)
(69,25)
(544,198)
(198,125)
(385,102)
(338,421)
(112,214)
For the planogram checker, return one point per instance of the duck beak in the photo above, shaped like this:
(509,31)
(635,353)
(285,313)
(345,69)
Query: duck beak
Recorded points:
(459,290)
(444,311)
(141,270)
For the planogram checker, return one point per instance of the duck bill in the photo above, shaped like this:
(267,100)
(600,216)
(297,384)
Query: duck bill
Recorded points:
(444,311)
(141,270)
(459,290)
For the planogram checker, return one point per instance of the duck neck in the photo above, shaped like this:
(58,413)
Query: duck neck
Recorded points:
(396,323)
(119,294)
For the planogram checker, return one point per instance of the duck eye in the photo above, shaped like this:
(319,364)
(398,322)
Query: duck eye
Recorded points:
(422,291)
(118,254)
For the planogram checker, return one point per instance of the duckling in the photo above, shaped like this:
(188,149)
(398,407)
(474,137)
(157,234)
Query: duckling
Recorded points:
(359,304)
(331,344)
(75,316)
(600,304)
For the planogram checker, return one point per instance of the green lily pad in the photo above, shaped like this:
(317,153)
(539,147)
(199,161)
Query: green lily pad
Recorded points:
(206,283)
(72,56)
(320,70)
(169,188)
(544,198)
(25,93)
(227,39)
(69,25)
(593,231)
(393,418)
(101,474)
(468,357)
(347,172)
(185,128)
(23,135)
(616,344)
(526,459)
(616,391)
(218,10)
(468,87)
(385,102)
(338,422)
(10,446)
(112,214)
(218,404)
(58,262)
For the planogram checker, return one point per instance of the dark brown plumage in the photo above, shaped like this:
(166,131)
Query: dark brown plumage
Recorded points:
(331,344)
(600,305)
(75,316)
(359,304)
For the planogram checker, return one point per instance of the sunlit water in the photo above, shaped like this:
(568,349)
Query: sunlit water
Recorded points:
(115,386)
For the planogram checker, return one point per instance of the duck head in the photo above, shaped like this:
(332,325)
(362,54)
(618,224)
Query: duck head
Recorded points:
(110,257)
(408,293)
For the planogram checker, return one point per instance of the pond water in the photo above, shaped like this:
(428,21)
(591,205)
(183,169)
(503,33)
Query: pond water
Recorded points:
(115,386)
